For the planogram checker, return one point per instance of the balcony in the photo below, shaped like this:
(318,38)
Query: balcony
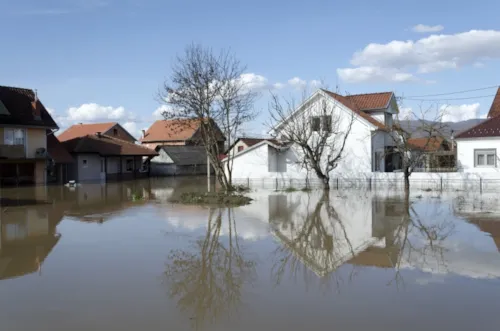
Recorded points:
(12,152)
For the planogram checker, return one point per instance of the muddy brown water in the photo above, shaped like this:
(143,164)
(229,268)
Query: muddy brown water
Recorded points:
(121,257)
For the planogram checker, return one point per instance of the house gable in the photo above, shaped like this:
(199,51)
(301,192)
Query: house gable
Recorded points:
(119,132)
(495,106)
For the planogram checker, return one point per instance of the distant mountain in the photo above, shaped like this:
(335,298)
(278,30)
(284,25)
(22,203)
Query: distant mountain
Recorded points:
(446,127)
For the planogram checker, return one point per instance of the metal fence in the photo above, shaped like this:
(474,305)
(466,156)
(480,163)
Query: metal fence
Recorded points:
(339,183)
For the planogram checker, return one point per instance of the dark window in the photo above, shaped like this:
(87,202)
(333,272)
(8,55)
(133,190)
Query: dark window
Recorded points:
(84,162)
(326,123)
(240,148)
(315,123)
(129,165)
(115,132)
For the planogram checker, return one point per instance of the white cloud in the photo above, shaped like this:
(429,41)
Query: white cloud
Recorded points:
(92,112)
(315,83)
(457,113)
(158,113)
(296,82)
(374,74)
(254,82)
(278,86)
(406,113)
(422,28)
(51,111)
(430,54)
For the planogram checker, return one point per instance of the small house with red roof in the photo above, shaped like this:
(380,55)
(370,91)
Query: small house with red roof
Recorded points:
(369,146)
(478,147)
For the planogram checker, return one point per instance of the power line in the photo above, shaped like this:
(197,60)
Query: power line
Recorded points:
(456,92)
(448,99)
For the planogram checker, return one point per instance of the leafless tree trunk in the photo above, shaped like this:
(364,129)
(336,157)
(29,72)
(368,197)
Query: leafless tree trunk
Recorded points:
(207,90)
(319,135)
(429,130)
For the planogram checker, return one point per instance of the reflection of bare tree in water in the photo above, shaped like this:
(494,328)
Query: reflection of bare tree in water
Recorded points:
(208,282)
(320,244)
(421,243)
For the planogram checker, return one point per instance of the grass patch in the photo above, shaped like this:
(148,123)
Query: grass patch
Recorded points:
(290,189)
(240,188)
(213,198)
(427,190)
(306,189)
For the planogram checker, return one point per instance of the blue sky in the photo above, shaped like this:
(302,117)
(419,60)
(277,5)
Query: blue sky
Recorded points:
(101,60)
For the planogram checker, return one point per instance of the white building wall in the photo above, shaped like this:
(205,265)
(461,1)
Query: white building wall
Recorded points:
(378,115)
(465,154)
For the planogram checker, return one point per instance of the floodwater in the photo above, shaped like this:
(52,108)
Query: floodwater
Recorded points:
(121,257)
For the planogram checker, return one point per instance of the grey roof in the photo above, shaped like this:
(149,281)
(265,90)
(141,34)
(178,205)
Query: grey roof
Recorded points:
(186,155)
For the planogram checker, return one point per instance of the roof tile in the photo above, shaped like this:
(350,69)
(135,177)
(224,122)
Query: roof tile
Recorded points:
(81,130)
(488,128)
(495,106)
(18,102)
(106,146)
(171,130)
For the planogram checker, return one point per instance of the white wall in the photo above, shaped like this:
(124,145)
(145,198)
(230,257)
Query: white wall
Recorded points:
(357,156)
(378,115)
(465,154)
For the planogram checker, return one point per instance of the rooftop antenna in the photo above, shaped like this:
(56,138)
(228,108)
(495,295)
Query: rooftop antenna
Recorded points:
(36,95)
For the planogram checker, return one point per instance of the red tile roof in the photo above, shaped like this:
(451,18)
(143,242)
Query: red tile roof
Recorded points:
(18,102)
(57,151)
(488,128)
(171,130)
(495,106)
(81,130)
(106,146)
(429,144)
(359,103)
(253,141)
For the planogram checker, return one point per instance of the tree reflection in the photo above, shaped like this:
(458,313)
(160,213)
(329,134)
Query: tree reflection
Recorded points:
(324,240)
(208,282)
(421,241)
(321,244)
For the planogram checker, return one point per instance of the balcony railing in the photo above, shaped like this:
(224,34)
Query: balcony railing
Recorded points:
(12,152)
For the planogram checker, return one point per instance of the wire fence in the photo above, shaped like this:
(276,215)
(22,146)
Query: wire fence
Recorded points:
(339,183)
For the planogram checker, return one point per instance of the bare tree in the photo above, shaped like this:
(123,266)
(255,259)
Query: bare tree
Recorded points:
(320,134)
(208,282)
(428,129)
(206,90)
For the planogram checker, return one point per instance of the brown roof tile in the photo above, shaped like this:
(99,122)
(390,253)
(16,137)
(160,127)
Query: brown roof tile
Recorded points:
(57,151)
(171,130)
(361,102)
(81,130)
(430,144)
(18,102)
(495,106)
(488,128)
(106,146)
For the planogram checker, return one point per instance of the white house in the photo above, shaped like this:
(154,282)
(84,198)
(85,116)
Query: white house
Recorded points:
(477,148)
(368,146)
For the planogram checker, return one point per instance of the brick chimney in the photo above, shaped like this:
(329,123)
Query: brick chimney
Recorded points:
(35,105)
(98,134)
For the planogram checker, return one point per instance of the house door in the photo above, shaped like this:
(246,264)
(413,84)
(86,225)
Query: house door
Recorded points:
(103,169)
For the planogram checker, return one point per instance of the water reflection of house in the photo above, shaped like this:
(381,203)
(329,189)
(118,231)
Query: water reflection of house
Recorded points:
(357,231)
(27,236)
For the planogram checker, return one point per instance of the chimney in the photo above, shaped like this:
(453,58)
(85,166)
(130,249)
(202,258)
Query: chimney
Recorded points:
(143,133)
(35,107)
(98,134)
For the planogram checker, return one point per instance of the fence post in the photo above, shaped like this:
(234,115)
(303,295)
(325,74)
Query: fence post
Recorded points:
(337,183)
(248,182)
(441,184)
(370,184)
(276,183)
(307,184)
(481,185)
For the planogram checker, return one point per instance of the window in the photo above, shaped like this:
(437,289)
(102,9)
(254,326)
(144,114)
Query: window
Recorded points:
(323,123)
(485,158)
(378,160)
(115,132)
(315,123)
(240,148)
(84,163)
(326,123)
(14,136)
(129,165)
